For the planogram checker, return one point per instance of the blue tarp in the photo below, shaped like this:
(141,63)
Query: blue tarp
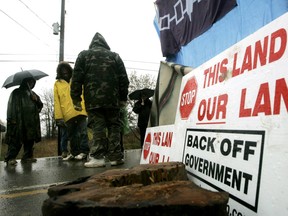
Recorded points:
(246,18)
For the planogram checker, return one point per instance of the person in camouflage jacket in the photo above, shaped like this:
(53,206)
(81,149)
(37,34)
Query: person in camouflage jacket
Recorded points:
(103,76)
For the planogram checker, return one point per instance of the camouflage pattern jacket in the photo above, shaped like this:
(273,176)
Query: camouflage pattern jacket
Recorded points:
(102,74)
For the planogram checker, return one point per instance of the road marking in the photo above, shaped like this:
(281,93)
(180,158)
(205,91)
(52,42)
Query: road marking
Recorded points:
(27,191)
(21,194)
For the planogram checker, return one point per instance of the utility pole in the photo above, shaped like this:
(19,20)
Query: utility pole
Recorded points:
(61,58)
(62,27)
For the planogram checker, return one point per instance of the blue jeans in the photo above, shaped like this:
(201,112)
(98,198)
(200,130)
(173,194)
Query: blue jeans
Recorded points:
(77,134)
(64,139)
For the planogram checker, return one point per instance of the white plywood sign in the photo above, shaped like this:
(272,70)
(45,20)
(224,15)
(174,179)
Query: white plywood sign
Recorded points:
(231,126)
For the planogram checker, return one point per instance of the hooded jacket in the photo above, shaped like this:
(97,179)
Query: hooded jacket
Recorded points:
(102,74)
(63,106)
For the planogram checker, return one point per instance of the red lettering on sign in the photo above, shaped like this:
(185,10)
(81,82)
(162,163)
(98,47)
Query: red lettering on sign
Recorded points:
(262,103)
(212,76)
(156,138)
(278,43)
(281,36)
(260,52)
(168,139)
(167,159)
(281,91)
(212,109)
(263,100)
(153,158)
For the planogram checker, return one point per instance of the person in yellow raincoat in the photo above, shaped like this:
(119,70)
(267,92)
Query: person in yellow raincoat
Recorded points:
(66,116)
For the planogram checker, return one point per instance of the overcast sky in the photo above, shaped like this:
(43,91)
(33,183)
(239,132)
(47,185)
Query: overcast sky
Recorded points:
(27,39)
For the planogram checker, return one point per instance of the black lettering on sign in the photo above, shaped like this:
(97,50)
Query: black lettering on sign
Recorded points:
(233,178)
(202,143)
(229,167)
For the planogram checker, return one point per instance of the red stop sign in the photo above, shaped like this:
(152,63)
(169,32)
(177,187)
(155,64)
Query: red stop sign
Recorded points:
(188,98)
(147,145)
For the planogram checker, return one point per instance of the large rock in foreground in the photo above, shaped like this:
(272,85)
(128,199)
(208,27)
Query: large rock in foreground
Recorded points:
(157,189)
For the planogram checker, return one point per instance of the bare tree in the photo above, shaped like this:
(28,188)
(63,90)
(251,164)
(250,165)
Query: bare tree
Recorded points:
(138,82)
(47,114)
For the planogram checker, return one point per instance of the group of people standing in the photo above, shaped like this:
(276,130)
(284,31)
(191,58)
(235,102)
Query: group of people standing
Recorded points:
(89,109)
(88,102)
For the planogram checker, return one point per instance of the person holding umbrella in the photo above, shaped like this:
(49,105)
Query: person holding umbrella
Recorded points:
(23,122)
(142,107)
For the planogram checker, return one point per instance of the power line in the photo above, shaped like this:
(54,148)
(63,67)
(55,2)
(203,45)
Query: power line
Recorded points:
(145,62)
(27,30)
(31,60)
(42,60)
(69,56)
(50,27)
(140,69)
(26,54)
(125,60)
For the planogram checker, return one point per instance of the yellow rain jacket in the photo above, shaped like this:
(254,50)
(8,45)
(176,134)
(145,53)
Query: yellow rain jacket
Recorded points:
(63,105)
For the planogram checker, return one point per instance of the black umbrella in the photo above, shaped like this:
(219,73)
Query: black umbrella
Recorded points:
(17,78)
(137,94)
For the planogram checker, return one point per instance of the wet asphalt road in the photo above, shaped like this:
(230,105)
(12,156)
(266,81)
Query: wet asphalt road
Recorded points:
(23,188)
